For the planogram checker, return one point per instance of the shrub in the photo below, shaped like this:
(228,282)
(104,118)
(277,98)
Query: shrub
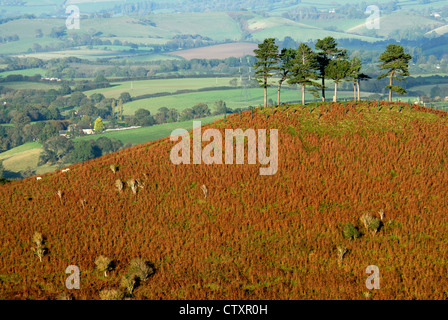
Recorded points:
(350,231)
(140,269)
(39,250)
(341,252)
(370,222)
(111,294)
(128,282)
(103,264)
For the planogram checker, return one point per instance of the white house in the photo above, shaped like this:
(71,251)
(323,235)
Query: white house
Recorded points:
(87,131)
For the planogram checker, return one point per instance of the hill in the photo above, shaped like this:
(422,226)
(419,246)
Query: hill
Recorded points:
(251,236)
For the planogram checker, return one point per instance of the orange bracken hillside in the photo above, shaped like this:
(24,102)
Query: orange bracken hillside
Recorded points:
(253,236)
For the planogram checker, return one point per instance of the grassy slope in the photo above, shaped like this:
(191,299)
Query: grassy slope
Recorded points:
(253,237)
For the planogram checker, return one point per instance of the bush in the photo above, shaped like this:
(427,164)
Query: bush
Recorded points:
(370,222)
(111,294)
(103,264)
(128,282)
(350,231)
(140,269)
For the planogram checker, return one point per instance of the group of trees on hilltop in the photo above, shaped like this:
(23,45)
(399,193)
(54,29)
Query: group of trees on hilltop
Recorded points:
(303,67)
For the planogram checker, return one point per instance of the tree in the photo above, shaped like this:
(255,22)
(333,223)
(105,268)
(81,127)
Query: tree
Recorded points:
(327,50)
(220,107)
(267,59)
(355,75)
(99,125)
(55,149)
(125,97)
(435,92)
(82,151)
(396,62)
(286,59)
(337,70)
(303,70)
(201,110)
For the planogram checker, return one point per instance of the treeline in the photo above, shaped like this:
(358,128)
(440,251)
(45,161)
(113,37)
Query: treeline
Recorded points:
(60,150)
(304,66)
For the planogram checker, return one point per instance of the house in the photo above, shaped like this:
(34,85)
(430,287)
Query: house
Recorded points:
(87,131)
(446,98)
(63,133)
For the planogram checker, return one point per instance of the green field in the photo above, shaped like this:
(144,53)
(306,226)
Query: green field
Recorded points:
(141,87)
(17,85)
(146,134)
(235,98)
(26,72)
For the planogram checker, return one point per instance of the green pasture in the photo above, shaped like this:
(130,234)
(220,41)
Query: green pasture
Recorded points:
(141,87)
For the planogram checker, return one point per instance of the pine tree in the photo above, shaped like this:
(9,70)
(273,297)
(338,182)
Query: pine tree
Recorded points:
(267,59)
(286,61)
(327,51)
(337,70)
(396,62)
(303,70)
(355,75)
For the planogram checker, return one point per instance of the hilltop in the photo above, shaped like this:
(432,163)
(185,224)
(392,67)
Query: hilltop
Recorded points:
(251,236)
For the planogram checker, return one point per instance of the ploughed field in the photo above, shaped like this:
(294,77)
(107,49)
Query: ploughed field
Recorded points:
(249,236)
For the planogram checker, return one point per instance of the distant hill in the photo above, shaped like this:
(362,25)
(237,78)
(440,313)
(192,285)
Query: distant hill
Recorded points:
(250,236)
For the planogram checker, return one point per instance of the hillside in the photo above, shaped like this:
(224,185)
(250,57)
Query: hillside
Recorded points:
(252,236)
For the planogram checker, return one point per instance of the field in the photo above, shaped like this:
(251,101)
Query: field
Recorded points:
(23,158)
(235,98)
(143,135)
(249,236)
(142,87)
(26,72)
(221,51)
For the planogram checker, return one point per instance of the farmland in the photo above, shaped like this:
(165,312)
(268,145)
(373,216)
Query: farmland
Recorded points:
(252,237)
(26,157)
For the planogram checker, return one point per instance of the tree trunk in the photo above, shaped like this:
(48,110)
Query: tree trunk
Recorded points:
(390,89)
(278,92)
(335,98)
(354,90)
(323,89)
(265,96)
(303,95)
(357,85)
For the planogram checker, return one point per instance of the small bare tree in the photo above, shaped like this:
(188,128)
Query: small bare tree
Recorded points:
(40,249)
(140,269)
(113,168)
(204,190)
(341,252)
(119,185)
(133,184)
(381,213)
(370,222)
(103,264)
(128,282)
(83,203)
(59,193)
